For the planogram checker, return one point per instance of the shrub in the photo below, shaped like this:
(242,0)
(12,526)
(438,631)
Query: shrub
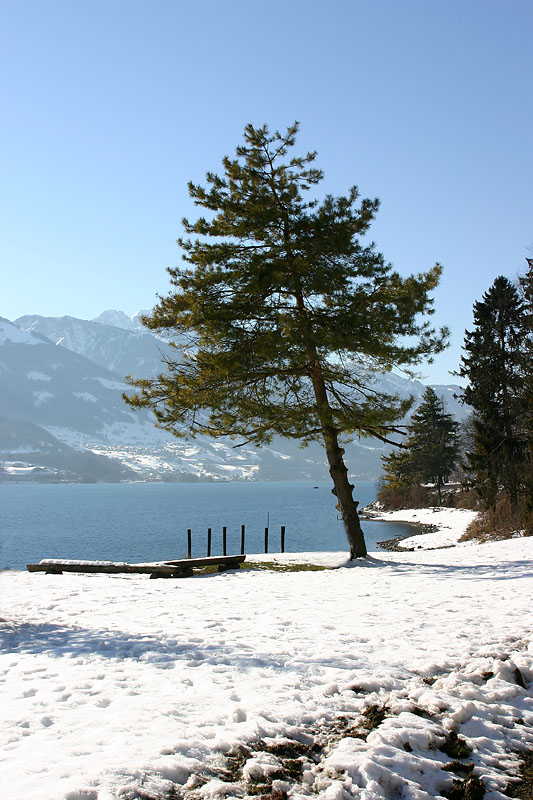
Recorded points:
(503,522)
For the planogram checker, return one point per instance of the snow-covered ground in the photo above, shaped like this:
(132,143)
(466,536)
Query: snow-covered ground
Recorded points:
(450,522)
(126,687)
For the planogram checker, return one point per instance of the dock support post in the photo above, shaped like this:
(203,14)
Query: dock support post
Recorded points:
(208,542)
(224,539)
(242,540)
(283,538)
(189,543)
(266,540)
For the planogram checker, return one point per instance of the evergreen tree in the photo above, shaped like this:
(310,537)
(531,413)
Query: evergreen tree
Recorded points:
(526,287)
(493,364)
(432,442)
(430,451)
(291,315)
(397,470)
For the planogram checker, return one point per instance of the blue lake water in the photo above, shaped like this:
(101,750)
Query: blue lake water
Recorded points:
(149,521)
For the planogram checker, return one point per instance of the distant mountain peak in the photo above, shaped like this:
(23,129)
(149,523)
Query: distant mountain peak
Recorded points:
(118,319)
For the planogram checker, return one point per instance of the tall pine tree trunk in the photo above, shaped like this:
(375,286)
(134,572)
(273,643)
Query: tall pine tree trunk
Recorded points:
(342,489)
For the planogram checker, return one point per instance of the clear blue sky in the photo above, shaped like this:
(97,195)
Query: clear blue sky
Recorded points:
(111,106)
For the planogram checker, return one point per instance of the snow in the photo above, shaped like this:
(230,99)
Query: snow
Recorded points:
(116,686)
(41,397)
(451,524)
(37,376)
(10,333)
(78,562)
(23,468)
(109,384)
(119,319)
(87,396)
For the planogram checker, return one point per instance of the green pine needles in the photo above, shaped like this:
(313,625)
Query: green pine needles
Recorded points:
(430,452)
(288,314)
(497,363)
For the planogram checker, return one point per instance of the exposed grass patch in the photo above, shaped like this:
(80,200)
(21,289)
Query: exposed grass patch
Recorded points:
(469,789)
(455,746)
(274,566)
(374,716)
(271,566)
(524,788)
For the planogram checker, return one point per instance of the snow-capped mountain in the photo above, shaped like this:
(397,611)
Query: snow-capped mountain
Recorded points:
(62,405)
(119,319)
(124,351)
(405,387)
(51,391)
(56,387)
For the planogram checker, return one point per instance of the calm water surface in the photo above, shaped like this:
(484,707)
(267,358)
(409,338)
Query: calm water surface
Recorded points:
(149,521)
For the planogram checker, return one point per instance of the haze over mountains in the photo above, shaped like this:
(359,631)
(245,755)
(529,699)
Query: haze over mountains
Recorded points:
(62,416)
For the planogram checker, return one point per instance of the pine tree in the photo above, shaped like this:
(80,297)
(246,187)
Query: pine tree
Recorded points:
(397,470)
(432,442)
(526,286)
(290,314)
(493,364)
(429,453)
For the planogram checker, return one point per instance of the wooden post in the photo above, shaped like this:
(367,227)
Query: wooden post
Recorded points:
(189,543)
(283,538)
(208,542)
(224,541)
(242,540)
(266,540)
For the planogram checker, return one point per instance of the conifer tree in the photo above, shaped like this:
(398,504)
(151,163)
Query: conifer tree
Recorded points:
(493,364)
(290,314)
(429,453)
(526,287)
(397,470)
(396,479)
(432,442)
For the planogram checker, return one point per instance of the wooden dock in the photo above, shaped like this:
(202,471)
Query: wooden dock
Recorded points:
(182,568)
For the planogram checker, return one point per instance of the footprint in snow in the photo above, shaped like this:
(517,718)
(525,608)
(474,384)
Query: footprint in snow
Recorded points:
(104,702)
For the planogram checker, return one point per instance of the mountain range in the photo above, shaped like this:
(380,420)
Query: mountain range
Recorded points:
(62,415)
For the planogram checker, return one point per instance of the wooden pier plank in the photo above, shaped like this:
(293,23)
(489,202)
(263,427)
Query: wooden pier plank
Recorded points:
(181,568)
(208,561)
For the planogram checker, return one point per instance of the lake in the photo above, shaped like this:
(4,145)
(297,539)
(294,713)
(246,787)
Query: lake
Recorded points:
(149,521)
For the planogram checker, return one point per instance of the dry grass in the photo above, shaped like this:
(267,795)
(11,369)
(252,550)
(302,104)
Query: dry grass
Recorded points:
(502,523)
(453,496)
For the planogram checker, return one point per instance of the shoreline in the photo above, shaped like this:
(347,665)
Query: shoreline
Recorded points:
(439,527)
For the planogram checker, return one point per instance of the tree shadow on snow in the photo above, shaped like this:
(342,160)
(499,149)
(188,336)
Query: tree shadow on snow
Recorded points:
(499,571)
(163,652)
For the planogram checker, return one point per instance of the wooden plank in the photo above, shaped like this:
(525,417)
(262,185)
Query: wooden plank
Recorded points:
(107,569)
(167,569)
(206,562)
